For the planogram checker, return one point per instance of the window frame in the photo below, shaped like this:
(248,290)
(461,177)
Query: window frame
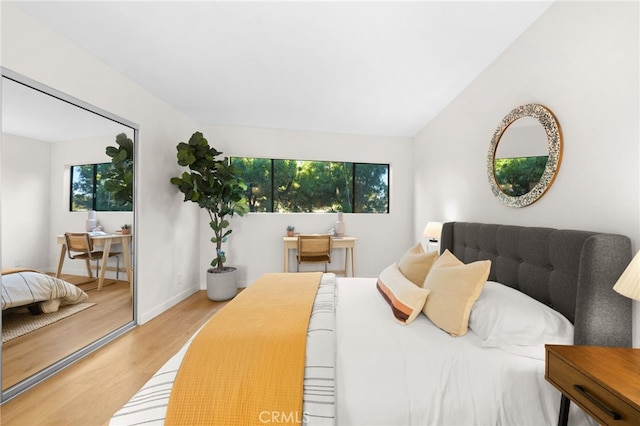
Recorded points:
(272,199)
(94,191)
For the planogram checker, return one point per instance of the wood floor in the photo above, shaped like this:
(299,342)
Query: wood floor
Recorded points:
(28,354)
(90,391)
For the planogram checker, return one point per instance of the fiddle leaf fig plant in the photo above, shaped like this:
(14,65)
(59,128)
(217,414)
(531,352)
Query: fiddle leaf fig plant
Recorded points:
(119,179)
(215,185)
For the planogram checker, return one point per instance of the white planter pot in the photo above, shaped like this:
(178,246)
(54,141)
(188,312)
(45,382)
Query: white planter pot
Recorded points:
(222,285)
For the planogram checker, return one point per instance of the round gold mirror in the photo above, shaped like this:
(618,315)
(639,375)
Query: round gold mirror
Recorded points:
(524,155)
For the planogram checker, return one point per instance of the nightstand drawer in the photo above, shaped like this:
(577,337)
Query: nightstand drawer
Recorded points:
(601,404)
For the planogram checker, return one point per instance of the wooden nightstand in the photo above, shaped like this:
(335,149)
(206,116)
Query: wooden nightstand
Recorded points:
(604,382)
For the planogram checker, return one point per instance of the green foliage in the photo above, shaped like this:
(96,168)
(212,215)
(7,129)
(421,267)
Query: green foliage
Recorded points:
(82,188)
(517,176)
(371,189)
(314,186)
(89,191)
(215,185)
(256,173)
(119,179)
(286,185)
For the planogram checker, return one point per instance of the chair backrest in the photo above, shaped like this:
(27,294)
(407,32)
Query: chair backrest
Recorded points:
(314,245)
(78,242)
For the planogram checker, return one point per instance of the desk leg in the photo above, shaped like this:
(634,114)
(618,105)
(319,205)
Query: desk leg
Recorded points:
(126,253)
(346,261)
(353,262)
(105,259)
(286,258)
(63,252)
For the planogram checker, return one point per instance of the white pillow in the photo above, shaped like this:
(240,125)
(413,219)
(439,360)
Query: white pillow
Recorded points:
(504,317)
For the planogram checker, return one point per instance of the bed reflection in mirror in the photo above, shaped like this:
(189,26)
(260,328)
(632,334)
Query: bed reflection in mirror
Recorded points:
(55,161)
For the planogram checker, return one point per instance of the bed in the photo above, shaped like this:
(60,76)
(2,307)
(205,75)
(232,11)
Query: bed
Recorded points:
(374,356)
(41,293)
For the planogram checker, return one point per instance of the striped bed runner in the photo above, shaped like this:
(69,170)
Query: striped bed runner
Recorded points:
(319,399)
(149,405)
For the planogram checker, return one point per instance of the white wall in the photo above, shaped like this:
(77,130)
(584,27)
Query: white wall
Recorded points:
(580,59)
(255,246)
(166,228)
(35,200)
(25,196)
(63,156)
(172,236)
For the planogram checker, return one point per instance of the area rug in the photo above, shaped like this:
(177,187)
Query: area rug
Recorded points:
(19,323)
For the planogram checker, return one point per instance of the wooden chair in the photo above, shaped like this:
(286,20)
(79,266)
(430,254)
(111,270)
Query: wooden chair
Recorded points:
(80,246)
(314,248)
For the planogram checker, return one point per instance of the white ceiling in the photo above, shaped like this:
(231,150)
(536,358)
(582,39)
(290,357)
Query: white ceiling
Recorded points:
(371,68)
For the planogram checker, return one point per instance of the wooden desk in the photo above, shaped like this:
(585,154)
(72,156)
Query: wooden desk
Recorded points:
(105,242)
(604,382)
(347,243)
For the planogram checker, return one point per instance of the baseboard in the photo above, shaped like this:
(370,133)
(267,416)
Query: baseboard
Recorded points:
(144,317)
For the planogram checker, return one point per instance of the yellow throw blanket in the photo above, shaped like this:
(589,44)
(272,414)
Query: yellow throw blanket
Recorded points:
(246,366)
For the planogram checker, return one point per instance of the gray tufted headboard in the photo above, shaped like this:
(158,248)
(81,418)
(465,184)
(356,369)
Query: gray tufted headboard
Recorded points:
(571,271)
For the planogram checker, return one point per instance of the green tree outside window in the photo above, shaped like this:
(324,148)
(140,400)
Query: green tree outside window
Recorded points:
(314,186)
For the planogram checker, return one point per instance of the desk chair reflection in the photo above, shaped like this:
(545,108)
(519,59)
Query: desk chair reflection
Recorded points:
(104,242)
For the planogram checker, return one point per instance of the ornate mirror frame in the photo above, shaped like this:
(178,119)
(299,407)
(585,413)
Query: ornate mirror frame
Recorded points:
(554,140)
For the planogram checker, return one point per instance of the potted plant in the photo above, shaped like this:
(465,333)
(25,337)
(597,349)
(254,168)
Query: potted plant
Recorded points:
(290,230)
(119,179)
(125,229)
(216,186)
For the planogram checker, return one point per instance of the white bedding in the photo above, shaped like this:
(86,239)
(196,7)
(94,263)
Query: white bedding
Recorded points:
(393,374)
(416,374)
(27,287)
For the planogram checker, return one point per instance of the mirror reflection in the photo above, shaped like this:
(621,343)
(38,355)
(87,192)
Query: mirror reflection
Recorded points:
(521,157)
(524,155)
(65,169)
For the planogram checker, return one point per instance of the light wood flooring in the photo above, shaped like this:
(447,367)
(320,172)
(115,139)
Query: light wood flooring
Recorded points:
(28,354)
(90,391)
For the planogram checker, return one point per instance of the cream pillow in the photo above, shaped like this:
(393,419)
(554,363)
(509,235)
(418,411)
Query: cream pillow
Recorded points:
(454,289)
(415,264)
(405,299)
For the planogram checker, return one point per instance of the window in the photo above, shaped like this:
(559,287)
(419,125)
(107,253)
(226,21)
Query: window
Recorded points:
(88,191)
(314,186)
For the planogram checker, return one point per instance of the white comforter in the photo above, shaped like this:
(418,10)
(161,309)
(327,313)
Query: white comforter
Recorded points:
(416,374)
(27,287)
(393,375)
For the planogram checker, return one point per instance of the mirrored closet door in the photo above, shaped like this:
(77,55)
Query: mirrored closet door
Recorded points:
(67,167)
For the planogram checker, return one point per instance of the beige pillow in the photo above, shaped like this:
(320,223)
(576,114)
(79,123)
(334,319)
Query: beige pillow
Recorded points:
(405,299)
(415,264)
(455,287)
